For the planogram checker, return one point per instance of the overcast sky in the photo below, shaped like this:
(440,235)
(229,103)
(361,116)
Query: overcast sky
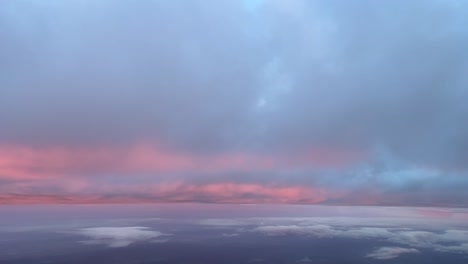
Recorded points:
(254,101)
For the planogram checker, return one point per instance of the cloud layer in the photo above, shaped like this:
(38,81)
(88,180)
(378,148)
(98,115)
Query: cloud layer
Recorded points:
(453,241)
(234,101)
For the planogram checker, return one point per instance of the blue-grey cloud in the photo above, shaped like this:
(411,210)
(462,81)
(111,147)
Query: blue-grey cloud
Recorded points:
(385,80)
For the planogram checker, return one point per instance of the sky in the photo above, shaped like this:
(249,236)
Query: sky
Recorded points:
(312,102)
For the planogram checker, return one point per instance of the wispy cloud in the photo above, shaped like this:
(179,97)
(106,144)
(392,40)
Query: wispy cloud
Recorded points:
(390,252)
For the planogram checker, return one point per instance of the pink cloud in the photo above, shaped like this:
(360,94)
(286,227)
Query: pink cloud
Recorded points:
(48,162)
(65,174)
(22,162)
(435,213)
(178,192)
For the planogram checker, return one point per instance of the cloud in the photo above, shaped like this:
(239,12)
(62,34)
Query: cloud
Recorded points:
(230,234)
(225,222)
(315,230)
(361,218)
(119,236)
(165,191)
(326,95)
(305,260)
(326,231)
(447,241)
(256,260)
(435,234)
(385,253)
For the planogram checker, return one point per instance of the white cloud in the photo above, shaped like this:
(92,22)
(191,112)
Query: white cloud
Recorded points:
(119,236)
(423,239)
(454,241)
(405,221)
(410,230)
(390,252)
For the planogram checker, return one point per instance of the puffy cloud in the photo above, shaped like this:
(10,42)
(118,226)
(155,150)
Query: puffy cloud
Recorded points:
(384,253)
(119,236)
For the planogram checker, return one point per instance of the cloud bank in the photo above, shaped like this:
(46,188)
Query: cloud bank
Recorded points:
(263,101)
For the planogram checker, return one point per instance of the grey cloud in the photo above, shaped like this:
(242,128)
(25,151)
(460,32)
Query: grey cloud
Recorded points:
(230,234)
(305,260)
(114,72)
(375,73)
(211,75)
(281,77)
(315,230)
(399,80)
